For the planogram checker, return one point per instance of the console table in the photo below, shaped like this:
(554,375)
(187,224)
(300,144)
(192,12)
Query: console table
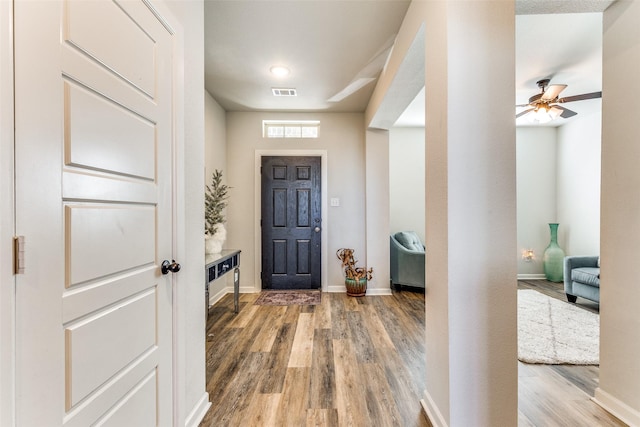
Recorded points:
(216,266)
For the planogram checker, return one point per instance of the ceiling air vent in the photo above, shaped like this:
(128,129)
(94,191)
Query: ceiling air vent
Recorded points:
(283,91)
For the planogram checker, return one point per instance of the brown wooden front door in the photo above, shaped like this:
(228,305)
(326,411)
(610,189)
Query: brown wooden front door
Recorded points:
(291,222)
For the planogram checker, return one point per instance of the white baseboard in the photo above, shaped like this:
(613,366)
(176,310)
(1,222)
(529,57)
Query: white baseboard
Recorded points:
(616,407)
(431,409)
(199,411)
(531,276)
(370,291)
(214,298)
(378,291)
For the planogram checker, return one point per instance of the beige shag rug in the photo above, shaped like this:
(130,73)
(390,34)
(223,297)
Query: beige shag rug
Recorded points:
(555,332)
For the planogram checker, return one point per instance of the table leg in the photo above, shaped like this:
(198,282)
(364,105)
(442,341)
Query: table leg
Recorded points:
(236,288)
(206,299)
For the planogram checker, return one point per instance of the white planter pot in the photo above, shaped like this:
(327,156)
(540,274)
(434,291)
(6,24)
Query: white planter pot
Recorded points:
(213,244)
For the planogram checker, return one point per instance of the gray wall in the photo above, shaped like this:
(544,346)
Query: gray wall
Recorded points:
(342,138)
(215,157)
(406,180)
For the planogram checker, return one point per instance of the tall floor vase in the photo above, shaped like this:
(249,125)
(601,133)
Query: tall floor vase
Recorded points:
(553,259)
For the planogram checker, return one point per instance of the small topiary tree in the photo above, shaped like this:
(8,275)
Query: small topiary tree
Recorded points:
(215,198)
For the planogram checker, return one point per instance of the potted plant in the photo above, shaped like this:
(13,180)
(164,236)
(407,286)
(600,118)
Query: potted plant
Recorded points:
(355,277)
(215,198)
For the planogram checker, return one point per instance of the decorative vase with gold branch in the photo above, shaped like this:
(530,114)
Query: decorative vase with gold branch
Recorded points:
(553,258)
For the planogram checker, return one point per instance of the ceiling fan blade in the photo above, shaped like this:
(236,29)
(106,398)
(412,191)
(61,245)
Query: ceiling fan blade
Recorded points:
(552,92)
(565,113)
(522,113)
(522,105)
(582,97)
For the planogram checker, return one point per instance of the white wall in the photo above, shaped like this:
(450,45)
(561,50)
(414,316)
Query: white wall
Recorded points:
(406,180)
(7,220)
(470,204)
(215,138)
(471,214)
(342,136)
(215,157)
(619,387)
(536,183)
(377,202)
(558,181)
(578,185)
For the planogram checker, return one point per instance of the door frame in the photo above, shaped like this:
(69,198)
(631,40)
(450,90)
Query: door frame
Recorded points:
(7,220)
(323,154)
(166,17)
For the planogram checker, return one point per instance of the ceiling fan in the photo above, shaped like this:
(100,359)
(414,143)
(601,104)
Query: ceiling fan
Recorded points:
(544,105)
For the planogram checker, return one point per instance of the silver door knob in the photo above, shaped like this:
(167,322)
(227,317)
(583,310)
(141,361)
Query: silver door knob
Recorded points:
(317,229)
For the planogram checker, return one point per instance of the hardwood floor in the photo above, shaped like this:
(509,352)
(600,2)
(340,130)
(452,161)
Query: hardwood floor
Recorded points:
(349,361)
(559,395)
(359,362)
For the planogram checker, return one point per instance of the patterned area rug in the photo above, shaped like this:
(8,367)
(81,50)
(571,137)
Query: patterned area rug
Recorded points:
(289,298)
(554,332)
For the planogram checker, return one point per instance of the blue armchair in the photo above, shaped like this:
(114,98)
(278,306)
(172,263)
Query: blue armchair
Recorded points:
(582,277)
(407,260)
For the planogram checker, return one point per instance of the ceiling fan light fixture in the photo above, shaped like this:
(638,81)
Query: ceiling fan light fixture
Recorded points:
(541,114)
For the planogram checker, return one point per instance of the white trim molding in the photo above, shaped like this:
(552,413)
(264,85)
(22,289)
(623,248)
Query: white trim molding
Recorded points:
(616,407)
(526,276)
(370,291)
(7,220)
(198,412)
(431,410)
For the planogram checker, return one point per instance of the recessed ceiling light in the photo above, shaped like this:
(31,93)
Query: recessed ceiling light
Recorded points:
(279,71)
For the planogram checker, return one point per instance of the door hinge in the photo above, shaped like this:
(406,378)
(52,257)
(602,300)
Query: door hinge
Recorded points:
(18,255)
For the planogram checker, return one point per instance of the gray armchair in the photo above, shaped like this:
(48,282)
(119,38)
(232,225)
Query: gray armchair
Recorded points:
(407,260)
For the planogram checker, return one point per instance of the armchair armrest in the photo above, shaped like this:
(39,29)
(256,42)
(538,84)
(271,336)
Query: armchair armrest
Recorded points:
(571,262)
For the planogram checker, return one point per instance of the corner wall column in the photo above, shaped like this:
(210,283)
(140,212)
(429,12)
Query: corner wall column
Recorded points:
(471,298)
(377,210)
(619,388)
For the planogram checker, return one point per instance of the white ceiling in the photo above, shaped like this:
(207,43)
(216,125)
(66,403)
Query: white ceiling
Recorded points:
(326,44)
(329,44)
(566,48)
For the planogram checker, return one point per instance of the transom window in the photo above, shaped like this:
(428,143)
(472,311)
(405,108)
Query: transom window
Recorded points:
(290,128)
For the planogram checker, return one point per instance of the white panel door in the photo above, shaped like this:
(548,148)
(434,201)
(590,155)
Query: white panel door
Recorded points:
(94,134)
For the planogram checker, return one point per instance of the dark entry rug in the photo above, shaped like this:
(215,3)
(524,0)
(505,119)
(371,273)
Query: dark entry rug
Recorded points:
(289,298)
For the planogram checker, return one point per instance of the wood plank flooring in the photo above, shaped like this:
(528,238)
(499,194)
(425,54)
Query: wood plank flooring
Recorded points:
(559,395)
(357,362)
(348,361)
